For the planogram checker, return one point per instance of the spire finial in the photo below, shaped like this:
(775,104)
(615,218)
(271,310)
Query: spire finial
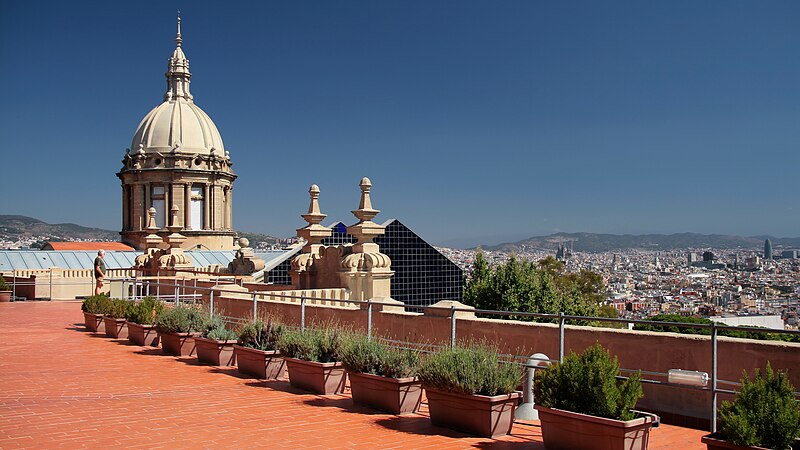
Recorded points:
(178,39)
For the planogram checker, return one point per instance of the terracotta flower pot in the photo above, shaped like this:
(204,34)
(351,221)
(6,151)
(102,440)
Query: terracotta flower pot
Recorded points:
(94,322)
(5,296)
(564,430)
(177,344)
(214,352)
(474,414)
(715,442)
(115,328)
(264,364)
(320,378)
(394,395)
(144,335)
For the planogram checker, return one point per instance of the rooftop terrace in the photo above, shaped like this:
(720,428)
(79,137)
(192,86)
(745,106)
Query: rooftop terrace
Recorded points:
(61,387)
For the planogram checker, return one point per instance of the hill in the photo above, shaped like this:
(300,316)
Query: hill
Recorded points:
(28,231)
(593,242)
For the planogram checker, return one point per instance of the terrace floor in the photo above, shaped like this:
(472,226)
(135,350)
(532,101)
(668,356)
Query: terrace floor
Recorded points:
(61,387)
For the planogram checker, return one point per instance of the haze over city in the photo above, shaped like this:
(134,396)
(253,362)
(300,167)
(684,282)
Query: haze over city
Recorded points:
(477,122)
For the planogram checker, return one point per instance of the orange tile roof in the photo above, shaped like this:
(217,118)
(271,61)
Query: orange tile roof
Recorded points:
(118,246)
(117,402)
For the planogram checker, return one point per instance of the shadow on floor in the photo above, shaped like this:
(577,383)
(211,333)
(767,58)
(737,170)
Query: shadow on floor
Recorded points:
(417,425)
(501,445)
(344,403)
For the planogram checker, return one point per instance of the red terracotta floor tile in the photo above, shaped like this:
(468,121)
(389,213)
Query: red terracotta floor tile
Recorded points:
(61,387)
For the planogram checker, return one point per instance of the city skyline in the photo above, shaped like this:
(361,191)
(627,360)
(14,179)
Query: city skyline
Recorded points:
(474,122)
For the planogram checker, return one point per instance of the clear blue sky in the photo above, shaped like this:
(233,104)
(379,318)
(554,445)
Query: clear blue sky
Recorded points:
(476,121)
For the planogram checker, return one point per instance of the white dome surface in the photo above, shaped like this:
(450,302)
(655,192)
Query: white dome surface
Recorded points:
(178,123)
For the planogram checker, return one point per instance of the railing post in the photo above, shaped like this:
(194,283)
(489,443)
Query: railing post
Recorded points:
(303,312)
(158,284)
(452,327)
(561,337)
(211,303)
(51,283)
(255,306)
(713,377)
(123,288)
(177,293)
(369,319)
(14,286)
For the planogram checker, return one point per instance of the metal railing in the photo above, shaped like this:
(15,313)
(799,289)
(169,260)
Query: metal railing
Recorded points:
(134,288)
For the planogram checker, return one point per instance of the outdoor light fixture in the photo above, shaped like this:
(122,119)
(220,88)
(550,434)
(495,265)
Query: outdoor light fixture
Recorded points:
(687,377)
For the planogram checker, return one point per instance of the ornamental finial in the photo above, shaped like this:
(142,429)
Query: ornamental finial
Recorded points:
(178,39)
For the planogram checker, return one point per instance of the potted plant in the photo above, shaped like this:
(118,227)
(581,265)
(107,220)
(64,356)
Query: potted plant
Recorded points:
(141,319)
(215,343)
(114,320)
(382,377)
(469,389)
(176,327)
(94,308)
(256,351)
(765,414)
(5,291)
(582,404)
(312,359)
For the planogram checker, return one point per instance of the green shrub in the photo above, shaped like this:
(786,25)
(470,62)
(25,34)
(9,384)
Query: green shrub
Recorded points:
(469,370)
(118,308)
(587,384)
(362,355)
(765,412)
(3,285)
(214,328)
(312,344)
(180,319)
(96,304)
(261,335)
(146,311)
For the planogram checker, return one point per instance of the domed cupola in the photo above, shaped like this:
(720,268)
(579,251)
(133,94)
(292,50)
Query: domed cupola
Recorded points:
(177,158)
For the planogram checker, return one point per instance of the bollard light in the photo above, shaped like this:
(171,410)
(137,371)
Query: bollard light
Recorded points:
(687,377)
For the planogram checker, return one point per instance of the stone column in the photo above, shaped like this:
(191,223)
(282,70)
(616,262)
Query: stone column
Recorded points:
(187,206)
(137,208)
(206,207)
(147,201)
(126,224)
(229,209)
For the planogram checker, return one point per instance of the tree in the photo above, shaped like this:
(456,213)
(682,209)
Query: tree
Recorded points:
(525,286)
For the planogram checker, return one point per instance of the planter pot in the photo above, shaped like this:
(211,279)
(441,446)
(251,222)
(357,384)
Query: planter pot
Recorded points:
(94,322)
(177,344)
(320,378)
(714,442)
(264,364)
(564,430)
(115,328)
(5,296)
(144,335)
(394,395)
(474,414)
(214,352)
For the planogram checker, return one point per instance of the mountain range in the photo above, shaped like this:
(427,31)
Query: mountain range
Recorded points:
(15,228)
(594,242)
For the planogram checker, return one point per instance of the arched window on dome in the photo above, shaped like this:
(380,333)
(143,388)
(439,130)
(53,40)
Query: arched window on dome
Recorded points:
(158,201)
(197,207)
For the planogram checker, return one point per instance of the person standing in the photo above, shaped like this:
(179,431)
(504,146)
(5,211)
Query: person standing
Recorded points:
(99,271)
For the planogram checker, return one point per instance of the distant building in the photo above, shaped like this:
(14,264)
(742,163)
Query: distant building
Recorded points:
(692,257)
(767,249)
(708,256)
(790,254)
(87,246)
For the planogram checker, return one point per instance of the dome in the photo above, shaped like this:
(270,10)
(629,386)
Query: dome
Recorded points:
(178,123)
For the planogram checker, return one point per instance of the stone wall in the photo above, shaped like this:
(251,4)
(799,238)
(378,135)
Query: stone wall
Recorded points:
(647,351)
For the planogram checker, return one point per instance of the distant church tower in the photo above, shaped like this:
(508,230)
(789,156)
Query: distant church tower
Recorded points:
(177,160)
